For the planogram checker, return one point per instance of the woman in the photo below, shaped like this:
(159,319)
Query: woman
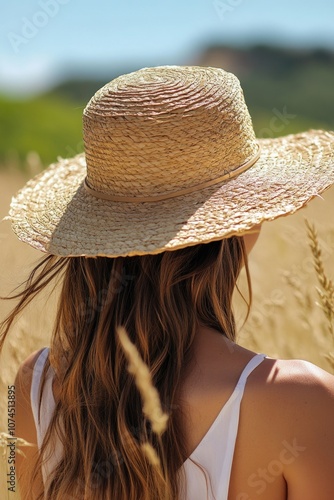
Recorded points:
(149,230)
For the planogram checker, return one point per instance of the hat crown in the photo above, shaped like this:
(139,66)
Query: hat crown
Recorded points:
(159,130)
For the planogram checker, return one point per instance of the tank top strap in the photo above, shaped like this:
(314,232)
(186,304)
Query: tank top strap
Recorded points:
(251,365)
(36,387)
(232,423)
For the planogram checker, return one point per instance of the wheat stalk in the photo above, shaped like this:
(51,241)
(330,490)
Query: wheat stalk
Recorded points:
(4,438)
(150,396)
(151,401)
(151,454)
(326,290)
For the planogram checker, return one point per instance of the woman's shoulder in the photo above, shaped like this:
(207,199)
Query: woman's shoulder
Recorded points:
(296,398)
(290,374)
(294,381)
(287,423)
(302,406)
(295,377)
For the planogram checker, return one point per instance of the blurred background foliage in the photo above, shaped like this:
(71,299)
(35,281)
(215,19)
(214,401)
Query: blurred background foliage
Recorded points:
(294,85)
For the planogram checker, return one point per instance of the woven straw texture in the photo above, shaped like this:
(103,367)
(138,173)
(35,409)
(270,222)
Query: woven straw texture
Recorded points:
(175,137)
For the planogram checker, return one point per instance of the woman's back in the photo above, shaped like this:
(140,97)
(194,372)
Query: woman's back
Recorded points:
(269,440)
(211,430)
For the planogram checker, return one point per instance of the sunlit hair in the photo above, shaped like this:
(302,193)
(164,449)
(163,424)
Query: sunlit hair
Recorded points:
(160,300)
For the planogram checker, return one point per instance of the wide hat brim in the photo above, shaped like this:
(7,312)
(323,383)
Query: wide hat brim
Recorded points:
(55,214)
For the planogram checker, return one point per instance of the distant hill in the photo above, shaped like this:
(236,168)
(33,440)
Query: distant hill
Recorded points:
(302,81)
(287,91)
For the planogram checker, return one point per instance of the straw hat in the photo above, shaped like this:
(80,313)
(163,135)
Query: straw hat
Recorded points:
(171,160)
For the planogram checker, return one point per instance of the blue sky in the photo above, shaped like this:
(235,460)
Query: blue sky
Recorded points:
(40,39)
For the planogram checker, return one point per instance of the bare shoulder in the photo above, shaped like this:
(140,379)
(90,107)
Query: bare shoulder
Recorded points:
(299,387)
(296,401)
(298,370)
(306,372)
(297,379)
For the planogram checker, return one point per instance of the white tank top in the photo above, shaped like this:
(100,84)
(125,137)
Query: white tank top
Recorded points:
(214,453)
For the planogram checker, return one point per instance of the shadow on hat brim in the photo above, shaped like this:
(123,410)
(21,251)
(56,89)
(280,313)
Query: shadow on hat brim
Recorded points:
(54,213)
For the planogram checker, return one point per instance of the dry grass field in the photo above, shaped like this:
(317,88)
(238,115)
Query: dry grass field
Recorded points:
(286,319)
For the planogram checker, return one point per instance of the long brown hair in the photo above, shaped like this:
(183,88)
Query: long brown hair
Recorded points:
(160,301)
